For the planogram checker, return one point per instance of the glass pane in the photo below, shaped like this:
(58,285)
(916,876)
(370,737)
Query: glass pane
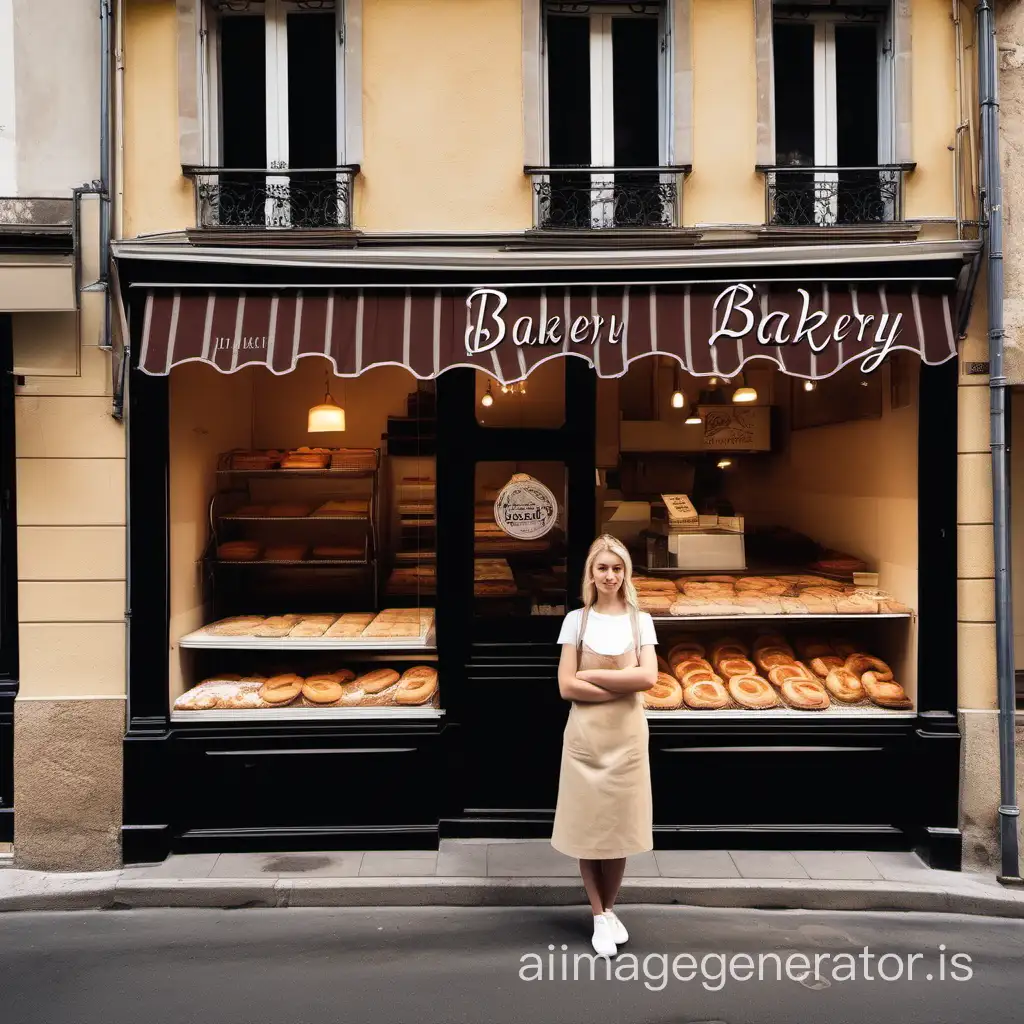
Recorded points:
(537,402)
(519,541)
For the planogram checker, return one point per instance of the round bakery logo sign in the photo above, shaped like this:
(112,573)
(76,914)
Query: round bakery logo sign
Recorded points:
(525,508)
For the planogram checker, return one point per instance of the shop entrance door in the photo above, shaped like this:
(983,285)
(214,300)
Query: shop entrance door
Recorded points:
(501,602)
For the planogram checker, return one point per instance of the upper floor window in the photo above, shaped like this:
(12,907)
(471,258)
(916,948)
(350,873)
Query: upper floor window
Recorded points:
(833,71)
(606,78)
(274,98)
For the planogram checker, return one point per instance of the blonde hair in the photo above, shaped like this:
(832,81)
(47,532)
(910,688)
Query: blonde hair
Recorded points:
(606,542)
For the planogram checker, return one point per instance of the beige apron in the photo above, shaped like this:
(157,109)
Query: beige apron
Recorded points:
(604,808)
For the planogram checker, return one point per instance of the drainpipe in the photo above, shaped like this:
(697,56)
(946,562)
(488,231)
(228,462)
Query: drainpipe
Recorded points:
(1009,812)
(106,144)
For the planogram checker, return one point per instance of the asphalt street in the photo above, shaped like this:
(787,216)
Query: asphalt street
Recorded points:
(385,966)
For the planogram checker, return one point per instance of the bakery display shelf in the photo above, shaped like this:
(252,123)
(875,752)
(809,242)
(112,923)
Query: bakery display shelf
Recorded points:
(351,474)
(200,640)
(306,715)
(834,711)
(794,618)
(347,517)
(305,563)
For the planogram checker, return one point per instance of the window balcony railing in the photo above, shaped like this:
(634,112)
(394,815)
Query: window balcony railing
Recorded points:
(259,199)
(806,196)
(600,198)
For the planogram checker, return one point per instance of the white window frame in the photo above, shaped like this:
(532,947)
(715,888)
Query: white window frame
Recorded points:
(275,14)
(826,142)
(602,127)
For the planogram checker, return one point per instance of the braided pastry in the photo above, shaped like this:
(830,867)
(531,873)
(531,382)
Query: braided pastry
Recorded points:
(665,694)
(861,663)
(805,694)
(844,685)
(708,693)
(886,693)
(823,665)
(752,692)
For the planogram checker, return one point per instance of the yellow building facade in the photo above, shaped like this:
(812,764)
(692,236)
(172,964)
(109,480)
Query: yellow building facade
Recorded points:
(439,110)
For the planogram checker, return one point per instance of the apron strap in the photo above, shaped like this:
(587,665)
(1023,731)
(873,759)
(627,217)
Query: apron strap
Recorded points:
(581,632)
(634,622)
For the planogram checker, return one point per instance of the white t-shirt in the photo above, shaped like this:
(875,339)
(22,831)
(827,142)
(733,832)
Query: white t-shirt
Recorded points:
(607,634)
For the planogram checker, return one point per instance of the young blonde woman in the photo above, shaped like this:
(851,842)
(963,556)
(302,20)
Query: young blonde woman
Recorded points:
(603,814)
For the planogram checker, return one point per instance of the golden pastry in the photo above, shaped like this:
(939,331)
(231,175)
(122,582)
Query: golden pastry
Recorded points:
(861,663)
(822,666)
(666,694)
(416,685)
(707,694)
(752,692)
(732,666)
(805,695)
(321,690)
(886,693)
(780,673)
(376,680)
(844,685)
(689,647)
(281,690)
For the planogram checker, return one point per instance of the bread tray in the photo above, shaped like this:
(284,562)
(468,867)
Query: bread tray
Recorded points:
(783,617)
(833,711)
(305,714)
(199,640)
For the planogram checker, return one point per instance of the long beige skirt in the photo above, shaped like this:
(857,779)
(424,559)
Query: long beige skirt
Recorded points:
(604,808)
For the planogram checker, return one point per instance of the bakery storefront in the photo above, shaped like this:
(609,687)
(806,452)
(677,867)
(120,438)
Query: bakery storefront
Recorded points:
(361,499)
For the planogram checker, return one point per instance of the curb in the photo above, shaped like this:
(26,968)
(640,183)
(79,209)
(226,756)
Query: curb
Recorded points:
(57,893)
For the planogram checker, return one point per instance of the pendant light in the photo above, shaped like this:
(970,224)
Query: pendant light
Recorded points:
(809,385)
(744,393)
(328,416)
(678,398)
(693,420)
(724,463)
(488,397)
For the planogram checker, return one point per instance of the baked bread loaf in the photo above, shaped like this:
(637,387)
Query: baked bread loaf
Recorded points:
(284,552)
(281,690)
(378,679)
(707,694)
(313,625)
(655,603)
(687,647)
(861,663)
(236,625)
(805,694)
(277,626)
(781,673)
(821,667)
(416,685)
(752,692)
(239,551)
(844,685)
(256,460)
(730,666)
(886,693)
(321,690)
(350,625)
(666,694)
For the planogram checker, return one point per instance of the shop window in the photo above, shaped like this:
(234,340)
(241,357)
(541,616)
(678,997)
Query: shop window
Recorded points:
(833,73)
(274,102)
(519,539)
(536,402)
(606,109)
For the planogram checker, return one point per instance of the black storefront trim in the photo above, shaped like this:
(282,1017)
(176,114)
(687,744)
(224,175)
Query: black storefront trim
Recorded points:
(8,579)
(489,767)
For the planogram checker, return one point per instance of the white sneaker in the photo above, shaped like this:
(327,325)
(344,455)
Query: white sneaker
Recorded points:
(602,941)
(618,929)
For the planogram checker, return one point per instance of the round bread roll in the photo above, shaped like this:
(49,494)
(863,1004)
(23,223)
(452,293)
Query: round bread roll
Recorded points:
(281,690)
(805,694)
(376,680)
(752,692)
(416,685)
(321,690)
(665,694)
(733,666)
(886,693)
(780,673)
(844,685)
(707,694)
(768,658)
(687,647)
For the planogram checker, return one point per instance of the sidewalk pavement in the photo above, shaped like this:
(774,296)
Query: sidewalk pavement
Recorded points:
(517,873)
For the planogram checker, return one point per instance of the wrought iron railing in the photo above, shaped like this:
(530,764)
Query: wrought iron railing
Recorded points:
(594,198)
(273,198)
(812,196)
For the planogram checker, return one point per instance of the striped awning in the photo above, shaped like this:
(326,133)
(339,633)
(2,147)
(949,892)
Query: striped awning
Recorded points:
(808,330)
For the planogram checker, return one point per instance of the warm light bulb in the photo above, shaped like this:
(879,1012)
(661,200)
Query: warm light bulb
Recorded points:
(712,382)
(744,395)
(327,417)
(693,420)
(724,463)
(678,399)
(809,385)
(488,399)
